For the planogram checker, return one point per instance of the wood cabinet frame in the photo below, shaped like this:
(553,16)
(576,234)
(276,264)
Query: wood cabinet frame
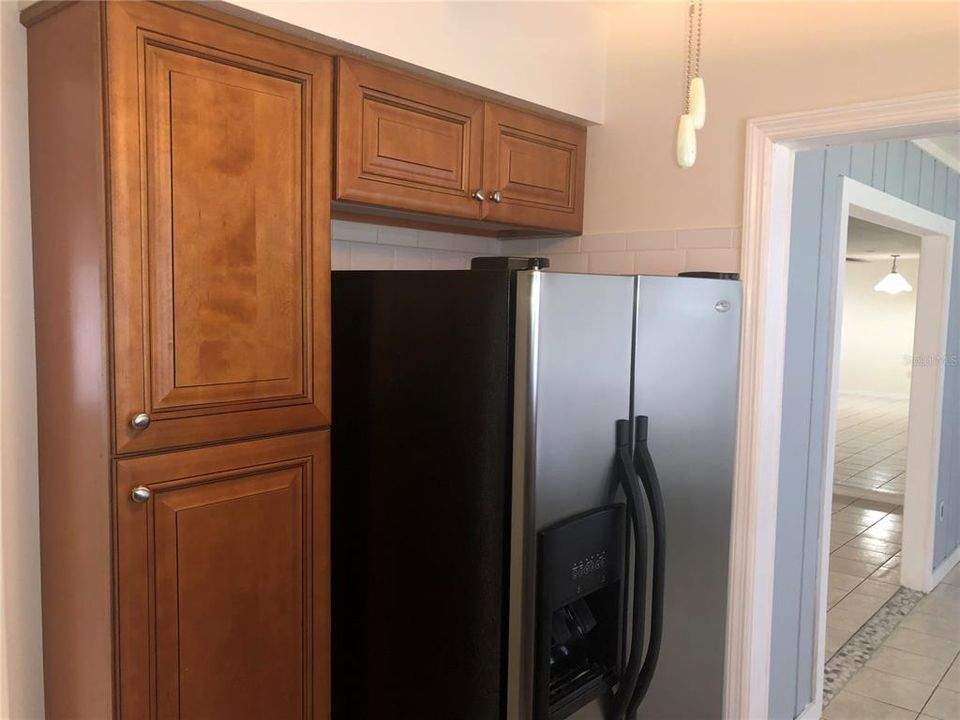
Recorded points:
(88,230)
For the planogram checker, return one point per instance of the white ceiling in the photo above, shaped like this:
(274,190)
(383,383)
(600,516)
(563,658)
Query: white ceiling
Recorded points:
(868,241)
(945,148)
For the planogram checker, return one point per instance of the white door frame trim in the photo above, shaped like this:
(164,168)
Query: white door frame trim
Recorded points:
(768,186)
(926,390)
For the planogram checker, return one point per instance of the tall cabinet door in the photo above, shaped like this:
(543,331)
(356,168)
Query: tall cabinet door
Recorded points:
(219,171)
(223,577)
(533,170)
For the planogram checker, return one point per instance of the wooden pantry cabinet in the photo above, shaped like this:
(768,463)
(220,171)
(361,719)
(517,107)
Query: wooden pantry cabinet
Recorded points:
(180,180)
(412,145)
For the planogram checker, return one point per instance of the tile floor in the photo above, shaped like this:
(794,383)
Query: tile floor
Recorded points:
(871,445)
(865,540)
(915,674)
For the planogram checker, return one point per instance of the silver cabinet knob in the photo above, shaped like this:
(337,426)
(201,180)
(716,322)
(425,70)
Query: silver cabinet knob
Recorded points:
(141,421)
(140,494)
(478,195)
(496,196)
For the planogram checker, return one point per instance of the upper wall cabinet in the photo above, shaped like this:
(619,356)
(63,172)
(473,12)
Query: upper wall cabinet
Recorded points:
(220,145)
(409,145)
(533,170)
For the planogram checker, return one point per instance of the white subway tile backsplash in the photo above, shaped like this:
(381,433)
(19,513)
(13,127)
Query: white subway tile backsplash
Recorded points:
(659,262)
(715,259)
(450,261)
(362,246)
(613,263)
(549,246)
(568,262)
(652,240)
(340,255)
(437,240)
(366,246)
(603,242)
(705,238)
(407,258)
(353,231)
(366,256)
(397,236)
(475,244)
(521,247)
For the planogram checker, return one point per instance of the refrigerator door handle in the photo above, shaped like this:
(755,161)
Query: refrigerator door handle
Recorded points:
(624,694)
(643,463)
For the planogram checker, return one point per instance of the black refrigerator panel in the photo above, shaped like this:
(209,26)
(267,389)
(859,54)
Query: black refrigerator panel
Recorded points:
(421,465)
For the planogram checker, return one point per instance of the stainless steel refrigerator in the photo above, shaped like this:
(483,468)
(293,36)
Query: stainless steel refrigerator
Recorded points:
(531,494)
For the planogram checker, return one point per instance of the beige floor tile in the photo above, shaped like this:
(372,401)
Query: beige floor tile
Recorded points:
(835,595)
(861,602)
(877,589)
(946,591)
(860,516)
(887,575)
(944,705)
(836,639)
(951,681)
(894,536)
(941,626)
(856,568)
(849,527)
(952,577)
(852,619)
(869,543)
(842,580)
(941,605)
(909,665)
(891,689)
(840,536)
(875,505)
(922,644)
(848,706)
(872,557)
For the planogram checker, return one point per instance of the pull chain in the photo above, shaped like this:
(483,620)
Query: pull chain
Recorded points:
(687,71)
(693,110)
(696,70)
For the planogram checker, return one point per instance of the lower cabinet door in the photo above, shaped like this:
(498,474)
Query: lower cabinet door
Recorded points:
(223,581)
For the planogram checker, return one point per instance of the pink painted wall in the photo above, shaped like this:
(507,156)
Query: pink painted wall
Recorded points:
(759,58)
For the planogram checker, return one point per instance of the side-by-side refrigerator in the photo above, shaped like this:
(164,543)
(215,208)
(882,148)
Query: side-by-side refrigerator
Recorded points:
(531,494)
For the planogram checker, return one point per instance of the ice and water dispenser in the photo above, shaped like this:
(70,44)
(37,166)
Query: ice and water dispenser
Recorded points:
(580,568)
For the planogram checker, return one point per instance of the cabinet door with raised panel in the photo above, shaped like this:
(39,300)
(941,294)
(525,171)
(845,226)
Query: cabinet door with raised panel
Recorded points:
(219,171)
(406,144)
(223,581)
(533,170)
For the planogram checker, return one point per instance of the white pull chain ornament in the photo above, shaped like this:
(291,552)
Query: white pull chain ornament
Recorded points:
(694,97)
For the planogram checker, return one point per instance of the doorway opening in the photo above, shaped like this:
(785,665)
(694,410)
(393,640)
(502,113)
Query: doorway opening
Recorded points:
(879,308)
(774,145)
(885,404)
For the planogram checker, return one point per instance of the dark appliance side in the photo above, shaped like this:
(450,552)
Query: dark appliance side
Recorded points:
(423,407)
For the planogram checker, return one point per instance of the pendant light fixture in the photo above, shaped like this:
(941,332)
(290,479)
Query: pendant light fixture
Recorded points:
(694,95)
(894,283)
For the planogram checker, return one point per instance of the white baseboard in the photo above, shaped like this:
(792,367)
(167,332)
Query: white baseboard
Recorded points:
(946,566)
